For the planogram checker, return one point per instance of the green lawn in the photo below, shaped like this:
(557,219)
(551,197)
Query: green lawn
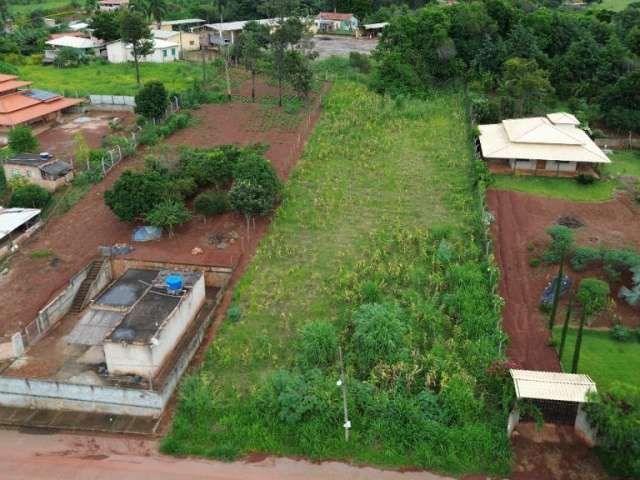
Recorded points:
(564,188)
(603,359)
(371,164)
(624,163)
(113,79)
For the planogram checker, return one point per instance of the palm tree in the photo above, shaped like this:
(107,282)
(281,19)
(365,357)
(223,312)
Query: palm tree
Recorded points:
(157,9)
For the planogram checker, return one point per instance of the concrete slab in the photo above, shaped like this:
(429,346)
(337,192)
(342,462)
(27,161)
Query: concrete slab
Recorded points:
(127,290)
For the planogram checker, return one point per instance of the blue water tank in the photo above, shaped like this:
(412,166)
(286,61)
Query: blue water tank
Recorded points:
(174,283)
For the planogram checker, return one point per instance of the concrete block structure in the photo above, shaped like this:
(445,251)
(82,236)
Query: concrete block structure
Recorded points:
(43,170)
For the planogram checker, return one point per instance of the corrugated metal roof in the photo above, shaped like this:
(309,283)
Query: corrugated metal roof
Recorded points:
(565,387)
(94,326)
(538,139)
(239,25)
(72,41)
(334,16)
(375,26)
(13,218)
(184,21)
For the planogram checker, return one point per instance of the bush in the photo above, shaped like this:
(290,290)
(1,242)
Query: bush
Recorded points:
(615,261)
(21,140)
(148,135)
(360,62)
(534,262)
(585,179)
(620,333)
(8,69)
(135,194)
(585,257)
(616,416)
(168,214)
(210,167)
(212,203)
(152,100)
(255,168)
(379,337)
(318,345)
(30,196)
(234,313)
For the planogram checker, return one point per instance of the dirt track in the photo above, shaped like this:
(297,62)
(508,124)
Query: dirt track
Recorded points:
(74,457)
(521,220)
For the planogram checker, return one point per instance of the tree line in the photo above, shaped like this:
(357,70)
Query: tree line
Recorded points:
(519,61)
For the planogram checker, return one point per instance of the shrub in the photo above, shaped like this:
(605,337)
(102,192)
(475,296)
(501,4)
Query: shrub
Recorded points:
(255,168)
(209,167)
(360,62)
(534,262)
(234,313)
(168,214)
(135,194)
(585,257)
(68,57)
(615,261)
(8,69)
(585,179)
(318,345)
(21,140)
(184,187)
(30,196)
(379,336)
(616,416)
(212,203)
(148,135)
(620,333)
(152,100)
(592,295)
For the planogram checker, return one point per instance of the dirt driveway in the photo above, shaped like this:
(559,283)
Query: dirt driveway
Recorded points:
(341,46)
(519,233)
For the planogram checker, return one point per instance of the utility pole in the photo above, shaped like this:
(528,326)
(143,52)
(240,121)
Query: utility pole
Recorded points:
(342,383)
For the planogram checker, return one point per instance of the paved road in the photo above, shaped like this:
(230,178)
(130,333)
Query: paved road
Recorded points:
(77,457)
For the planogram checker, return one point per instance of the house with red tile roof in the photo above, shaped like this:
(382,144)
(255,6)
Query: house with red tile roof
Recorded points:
(22,105)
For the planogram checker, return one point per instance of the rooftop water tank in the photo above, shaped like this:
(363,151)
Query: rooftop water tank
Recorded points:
(174,283)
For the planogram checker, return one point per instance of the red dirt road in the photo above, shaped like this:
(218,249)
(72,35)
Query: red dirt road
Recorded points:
(74,457)
(521,220)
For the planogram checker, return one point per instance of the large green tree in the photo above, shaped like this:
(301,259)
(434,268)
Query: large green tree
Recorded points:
(525,87)
(106,26)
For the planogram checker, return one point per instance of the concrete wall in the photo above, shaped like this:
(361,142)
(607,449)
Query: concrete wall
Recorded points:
(512,422)
(8,247)
(213,276)
(45,394)
(561,166)
(145,360)
(523,164)
(55,309)
(583,428)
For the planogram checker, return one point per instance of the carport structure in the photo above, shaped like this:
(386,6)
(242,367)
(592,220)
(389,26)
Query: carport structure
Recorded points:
(559,396)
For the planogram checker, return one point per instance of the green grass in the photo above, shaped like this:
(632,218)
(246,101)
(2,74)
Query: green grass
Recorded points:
(45,5)
(603,359)
(625,163)
(41,253)
(615,5)
(564,188)
(113,79)
(371,164)
(356,176)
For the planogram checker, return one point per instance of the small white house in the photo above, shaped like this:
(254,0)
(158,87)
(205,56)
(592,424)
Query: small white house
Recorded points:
(163,52)
(90,47)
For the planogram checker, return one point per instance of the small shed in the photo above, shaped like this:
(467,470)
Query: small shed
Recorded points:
(16,225)
(559,396)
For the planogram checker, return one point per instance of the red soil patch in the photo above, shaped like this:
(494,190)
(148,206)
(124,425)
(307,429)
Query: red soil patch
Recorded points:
(554,453)
(522,219)
(59,139)
(74,237)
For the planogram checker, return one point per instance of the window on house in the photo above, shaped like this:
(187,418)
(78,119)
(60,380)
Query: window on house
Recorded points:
(164,53)
(173,52)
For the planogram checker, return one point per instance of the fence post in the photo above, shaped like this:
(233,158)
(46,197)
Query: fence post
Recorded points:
(102,162)
(119,152)
(87,164)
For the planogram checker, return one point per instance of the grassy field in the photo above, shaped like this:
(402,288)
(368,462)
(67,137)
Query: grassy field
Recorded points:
(615,5)
(113,79)
(565,188)
(45,5)
(603,359)
(371,164)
